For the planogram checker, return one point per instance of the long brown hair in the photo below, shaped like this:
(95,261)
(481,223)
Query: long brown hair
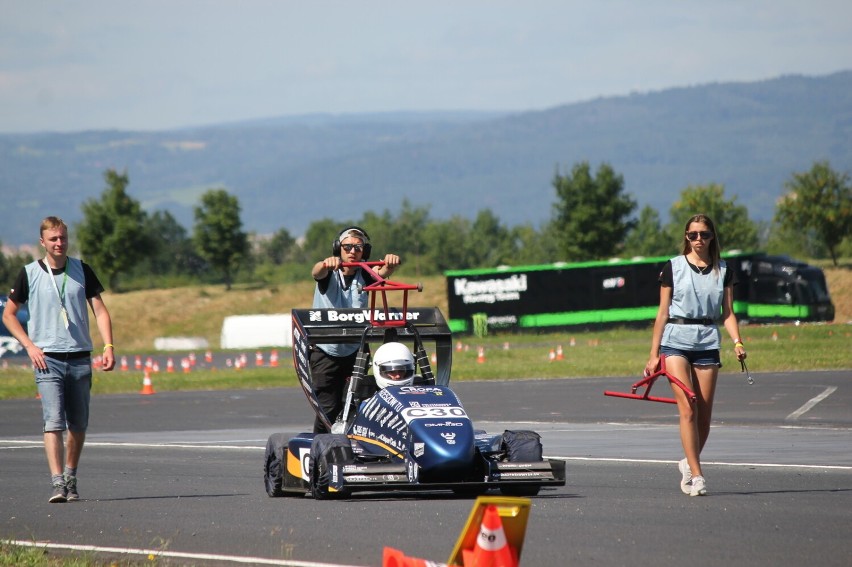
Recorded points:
(715,247)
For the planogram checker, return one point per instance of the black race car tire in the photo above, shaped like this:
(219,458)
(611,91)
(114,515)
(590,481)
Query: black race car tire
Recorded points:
(328,448)
(274,463)
(522,446)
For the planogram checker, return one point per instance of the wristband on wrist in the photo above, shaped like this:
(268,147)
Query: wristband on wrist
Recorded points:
(109,345)
(738,343)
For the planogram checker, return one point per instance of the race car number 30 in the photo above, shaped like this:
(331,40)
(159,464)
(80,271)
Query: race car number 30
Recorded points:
(410,414)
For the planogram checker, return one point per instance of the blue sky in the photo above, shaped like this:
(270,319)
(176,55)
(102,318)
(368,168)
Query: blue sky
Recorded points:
(156,64)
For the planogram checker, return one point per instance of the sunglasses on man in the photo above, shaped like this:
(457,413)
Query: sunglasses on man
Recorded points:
(349,247)
(694,234)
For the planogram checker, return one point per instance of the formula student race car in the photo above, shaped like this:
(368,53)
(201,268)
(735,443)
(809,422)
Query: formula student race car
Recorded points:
(413,437)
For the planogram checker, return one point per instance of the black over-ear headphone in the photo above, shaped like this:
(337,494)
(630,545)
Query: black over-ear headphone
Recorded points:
(335,246)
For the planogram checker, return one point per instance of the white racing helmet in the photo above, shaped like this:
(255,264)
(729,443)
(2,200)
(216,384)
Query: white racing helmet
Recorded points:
(393,358)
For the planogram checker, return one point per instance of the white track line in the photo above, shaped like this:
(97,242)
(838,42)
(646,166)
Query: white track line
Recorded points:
(157,553)
(719,463)
(21,444)
(810,404)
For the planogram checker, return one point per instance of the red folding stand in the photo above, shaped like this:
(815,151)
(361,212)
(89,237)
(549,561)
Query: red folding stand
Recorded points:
(381,285)
(648,381)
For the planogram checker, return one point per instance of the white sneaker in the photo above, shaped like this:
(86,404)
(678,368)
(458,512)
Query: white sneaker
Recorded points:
(686,476)
(699,487)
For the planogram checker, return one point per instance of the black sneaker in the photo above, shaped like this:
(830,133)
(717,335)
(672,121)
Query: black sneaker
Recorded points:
(59,494)
(71,489)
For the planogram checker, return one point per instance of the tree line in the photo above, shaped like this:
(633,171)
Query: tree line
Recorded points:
(592,218)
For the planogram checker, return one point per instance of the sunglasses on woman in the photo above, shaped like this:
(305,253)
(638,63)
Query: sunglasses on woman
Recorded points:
(704,234)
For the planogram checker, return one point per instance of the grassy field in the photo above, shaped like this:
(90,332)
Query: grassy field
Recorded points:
(140,317)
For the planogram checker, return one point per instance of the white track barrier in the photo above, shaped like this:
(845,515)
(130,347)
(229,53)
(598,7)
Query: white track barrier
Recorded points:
(254,331)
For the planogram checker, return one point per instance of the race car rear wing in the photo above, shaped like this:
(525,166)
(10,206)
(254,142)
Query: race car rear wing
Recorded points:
(330,326)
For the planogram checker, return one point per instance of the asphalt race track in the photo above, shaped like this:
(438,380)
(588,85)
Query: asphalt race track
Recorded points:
(180,475)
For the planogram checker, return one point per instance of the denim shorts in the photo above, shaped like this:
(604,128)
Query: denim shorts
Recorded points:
(695,357)
(65,389)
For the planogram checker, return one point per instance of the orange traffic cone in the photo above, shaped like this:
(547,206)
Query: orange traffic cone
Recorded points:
(258,358)
(170,365)
(395,558)
(392,557)
(147,386)
(559,354)
(273,358)
(124,366)
(480,357)
(551,356)
(491,549)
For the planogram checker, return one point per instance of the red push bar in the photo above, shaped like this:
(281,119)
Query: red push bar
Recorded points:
(648,381)
(381,285)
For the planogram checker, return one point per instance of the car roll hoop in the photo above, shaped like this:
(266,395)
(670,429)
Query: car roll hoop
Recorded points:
(381,286)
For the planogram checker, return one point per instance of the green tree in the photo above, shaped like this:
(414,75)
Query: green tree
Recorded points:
(819,201)
(280,248)
(534,246)
(111,236)
(172,251)
(402,235)
(384,236)
(647,237)
(591,213)
(447,244)
(736,230)
(218,235)
(490,243)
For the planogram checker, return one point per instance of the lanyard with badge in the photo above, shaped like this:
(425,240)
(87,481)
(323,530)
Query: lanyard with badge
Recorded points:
(60,294)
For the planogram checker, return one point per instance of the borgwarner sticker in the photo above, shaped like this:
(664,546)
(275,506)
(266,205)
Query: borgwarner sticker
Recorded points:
(410,414)
(361,316)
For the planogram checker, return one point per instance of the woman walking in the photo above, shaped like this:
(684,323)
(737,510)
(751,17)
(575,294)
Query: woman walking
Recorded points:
(696,294)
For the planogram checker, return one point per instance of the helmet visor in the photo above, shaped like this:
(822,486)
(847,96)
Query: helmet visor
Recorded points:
(397,370)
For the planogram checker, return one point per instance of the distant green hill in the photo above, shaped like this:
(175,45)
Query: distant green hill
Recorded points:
(290,171)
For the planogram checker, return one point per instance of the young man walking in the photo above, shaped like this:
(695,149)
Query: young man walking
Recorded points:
(57,290)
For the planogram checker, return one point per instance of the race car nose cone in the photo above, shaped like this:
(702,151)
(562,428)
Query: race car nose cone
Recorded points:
(444,449)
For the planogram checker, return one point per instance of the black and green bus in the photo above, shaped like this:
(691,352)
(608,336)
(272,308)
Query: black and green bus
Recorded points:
(593,295)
